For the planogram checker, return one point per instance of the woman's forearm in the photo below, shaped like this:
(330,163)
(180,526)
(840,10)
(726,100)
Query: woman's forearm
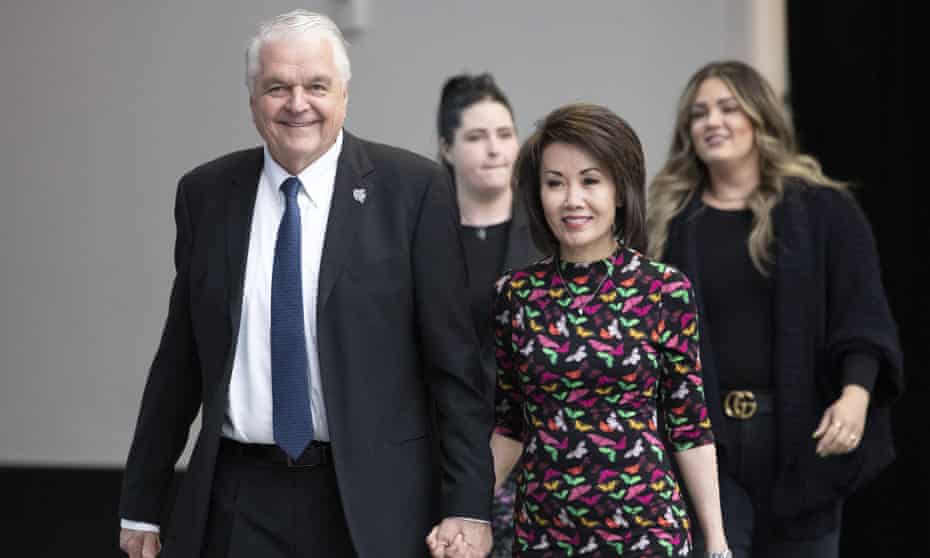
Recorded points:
(699,471)
(506,452)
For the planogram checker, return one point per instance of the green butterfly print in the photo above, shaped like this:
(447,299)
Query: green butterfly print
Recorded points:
(665,335)
(626,293)
(523,293)
(608,358)
(659,266)
(566,548)
(575,320)
(683,295)
(667,546)
(578,289)
(626,386)
(619,494)
(530,313)
(561,395)
(536,282)
(677,420)
(612,399)
(563,302)
(658,452)
(531,407)
(573,481)
(653,359)
(573,414)
(618,547)
(577,512)
(666,494)
(675,358)
(630,479)
(632,322)
(626,414)
(631,510)
(561,494)
(610,453)
(531,506)
(553,356)
(553,454)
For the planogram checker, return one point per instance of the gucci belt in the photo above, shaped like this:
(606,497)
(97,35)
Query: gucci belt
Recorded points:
(743,404)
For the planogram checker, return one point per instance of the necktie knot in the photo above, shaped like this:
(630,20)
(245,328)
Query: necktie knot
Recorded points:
(290,187)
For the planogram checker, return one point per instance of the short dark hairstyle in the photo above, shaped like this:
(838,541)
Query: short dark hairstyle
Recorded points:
(613,143)
(458,93)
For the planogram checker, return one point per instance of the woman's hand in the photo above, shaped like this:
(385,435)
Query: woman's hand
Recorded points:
(843,423)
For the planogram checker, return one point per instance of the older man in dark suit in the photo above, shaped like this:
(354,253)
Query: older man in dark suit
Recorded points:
(317,317)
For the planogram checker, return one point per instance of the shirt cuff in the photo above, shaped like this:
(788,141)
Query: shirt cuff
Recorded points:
(860,369)
(473,520)
(138,526)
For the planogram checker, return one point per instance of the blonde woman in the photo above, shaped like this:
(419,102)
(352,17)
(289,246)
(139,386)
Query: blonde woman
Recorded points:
(800,352)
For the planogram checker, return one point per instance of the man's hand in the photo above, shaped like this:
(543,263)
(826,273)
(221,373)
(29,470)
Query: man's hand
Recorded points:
(459,538)
(139,544)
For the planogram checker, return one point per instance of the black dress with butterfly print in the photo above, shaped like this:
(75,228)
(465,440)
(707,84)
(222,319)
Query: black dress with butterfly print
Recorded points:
(583,379)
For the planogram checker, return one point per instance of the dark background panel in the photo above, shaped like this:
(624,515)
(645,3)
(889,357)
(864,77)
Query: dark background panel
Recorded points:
(851,87)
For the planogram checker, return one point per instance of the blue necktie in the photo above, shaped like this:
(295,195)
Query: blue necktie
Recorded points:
(293,423)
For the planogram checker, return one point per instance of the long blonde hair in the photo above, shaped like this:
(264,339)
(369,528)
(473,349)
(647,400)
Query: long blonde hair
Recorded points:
(684,175)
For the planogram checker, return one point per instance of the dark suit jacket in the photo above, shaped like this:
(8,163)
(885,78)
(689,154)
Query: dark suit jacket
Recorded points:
(394,340)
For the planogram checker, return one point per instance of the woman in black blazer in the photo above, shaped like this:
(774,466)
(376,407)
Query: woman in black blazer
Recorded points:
(800,351)
(477,145)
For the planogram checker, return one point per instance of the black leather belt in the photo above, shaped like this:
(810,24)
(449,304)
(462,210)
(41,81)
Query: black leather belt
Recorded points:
(316,454)
(743,404)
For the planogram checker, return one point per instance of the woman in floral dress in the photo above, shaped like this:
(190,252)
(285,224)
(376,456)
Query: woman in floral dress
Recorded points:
(599,379)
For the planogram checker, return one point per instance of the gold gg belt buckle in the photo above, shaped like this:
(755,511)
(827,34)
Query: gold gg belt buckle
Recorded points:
(740,404)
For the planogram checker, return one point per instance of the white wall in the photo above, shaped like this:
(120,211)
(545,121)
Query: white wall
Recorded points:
(105,103)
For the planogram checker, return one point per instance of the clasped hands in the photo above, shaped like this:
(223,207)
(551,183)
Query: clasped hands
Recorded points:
(455,537)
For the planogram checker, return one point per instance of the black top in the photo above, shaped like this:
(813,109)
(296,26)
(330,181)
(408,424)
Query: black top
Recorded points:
(738,305)
(738,300)
(485,249)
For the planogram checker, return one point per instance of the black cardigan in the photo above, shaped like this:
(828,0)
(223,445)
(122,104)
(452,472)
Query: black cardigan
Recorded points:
(828,299)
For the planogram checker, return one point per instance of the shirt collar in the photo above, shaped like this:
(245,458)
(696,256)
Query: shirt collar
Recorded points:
(319,174)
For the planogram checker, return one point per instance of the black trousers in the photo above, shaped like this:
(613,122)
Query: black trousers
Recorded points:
(260,509)
(746,480)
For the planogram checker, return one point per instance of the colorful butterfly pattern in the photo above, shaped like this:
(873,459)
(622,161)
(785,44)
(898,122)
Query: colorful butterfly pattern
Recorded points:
(582,380)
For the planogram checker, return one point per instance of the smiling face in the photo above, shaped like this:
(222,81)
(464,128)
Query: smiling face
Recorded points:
(483,148)
(721,132)
(579,200)
(299,100)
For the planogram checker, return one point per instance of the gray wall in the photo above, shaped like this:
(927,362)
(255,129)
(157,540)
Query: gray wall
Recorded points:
(105,103)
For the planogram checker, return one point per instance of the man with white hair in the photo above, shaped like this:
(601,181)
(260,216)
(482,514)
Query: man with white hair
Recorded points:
(317,319)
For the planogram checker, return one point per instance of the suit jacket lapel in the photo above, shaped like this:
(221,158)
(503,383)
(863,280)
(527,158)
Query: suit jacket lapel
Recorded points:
(349,193)
(519,250)
(240,203)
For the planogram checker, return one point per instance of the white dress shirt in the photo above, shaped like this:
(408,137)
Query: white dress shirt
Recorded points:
(249,409)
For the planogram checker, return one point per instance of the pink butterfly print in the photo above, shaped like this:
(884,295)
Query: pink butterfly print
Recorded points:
(656,475)
(547,377)
(674,286)
(610,536)
(645,499)
(588,403)
(652,439)
(537,294)
(591,310)
(577,394)
(642,310)
(631,302)
(604,442)
(605,348)
(686,318)
(551,474)
(592,500)
(606,474)
(634,491)
(560,536)
(656,284)
(579,491)
(550,344)
(549,440)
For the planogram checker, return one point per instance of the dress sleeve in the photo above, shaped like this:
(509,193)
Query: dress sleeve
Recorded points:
(508,396)
(681,396)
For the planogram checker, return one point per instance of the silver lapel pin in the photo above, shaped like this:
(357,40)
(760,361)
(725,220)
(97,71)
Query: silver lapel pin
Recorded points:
(360,194)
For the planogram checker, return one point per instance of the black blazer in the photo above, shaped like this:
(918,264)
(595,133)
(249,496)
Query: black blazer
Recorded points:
(828,300)
(394,340)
